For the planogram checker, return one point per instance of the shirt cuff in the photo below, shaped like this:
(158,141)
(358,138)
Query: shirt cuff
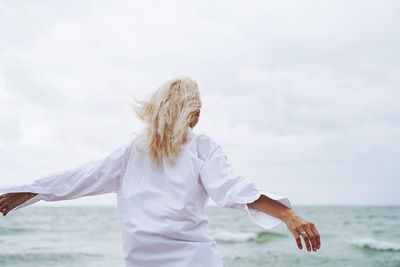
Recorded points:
(259,218)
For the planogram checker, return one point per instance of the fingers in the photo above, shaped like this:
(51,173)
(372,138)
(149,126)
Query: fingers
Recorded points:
(300,227)
(298,239)
(311,237)
(6,208)
(3,206)
(316,234)
(304,234)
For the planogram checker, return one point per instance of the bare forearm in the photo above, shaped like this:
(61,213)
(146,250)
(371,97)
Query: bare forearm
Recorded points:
(271,207)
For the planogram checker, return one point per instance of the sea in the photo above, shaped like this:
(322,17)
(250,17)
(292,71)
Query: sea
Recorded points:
(88,236)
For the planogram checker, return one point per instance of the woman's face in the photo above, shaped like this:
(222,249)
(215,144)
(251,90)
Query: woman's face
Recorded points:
(196,118)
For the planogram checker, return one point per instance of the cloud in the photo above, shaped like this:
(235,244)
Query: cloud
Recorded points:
(302,95)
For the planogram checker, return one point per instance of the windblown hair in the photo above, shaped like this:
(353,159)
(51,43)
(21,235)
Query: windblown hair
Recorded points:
(167,116)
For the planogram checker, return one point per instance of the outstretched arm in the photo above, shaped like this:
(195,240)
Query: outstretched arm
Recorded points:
(92,178)
(296,224)
(267,210)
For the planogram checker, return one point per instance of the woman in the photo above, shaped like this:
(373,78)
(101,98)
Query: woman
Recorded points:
(163,179)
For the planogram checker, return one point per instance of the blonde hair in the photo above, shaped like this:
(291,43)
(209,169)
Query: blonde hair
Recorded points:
(167,115)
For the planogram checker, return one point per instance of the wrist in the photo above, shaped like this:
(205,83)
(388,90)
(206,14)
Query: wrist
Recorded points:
(287,214)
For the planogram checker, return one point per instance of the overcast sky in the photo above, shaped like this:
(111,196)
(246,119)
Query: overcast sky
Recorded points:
(303,95)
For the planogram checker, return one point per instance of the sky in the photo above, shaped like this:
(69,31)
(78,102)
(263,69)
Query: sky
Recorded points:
(302,95)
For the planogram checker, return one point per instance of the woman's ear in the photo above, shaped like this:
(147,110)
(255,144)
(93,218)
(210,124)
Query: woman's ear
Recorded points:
(195,118)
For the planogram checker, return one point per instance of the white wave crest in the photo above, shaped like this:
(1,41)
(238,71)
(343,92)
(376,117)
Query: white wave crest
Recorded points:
(370,243)
(225,236)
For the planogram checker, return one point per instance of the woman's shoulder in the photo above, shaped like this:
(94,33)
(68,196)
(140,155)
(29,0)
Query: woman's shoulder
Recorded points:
(204,143)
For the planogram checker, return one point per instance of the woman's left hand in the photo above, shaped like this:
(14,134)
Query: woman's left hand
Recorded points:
(9,201)
(300,227)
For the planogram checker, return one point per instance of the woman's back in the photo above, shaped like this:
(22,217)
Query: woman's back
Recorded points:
(162,209)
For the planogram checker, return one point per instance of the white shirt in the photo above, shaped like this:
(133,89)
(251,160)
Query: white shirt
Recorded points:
(161,211)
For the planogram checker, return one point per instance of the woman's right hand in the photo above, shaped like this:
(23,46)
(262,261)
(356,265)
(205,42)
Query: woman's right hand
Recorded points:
(9,201)
(300,227)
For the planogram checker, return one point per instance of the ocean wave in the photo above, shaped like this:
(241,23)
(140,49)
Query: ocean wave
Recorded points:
(241,237)
(52,257)
(11,231)
(372,244)
(266,236)
(233,237)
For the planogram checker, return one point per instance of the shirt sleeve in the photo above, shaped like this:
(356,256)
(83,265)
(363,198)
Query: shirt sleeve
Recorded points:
(230,190)
(92,178)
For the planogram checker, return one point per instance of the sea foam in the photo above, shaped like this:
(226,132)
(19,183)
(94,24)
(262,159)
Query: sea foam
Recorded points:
(241,237)
(234,237)
(372,244)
